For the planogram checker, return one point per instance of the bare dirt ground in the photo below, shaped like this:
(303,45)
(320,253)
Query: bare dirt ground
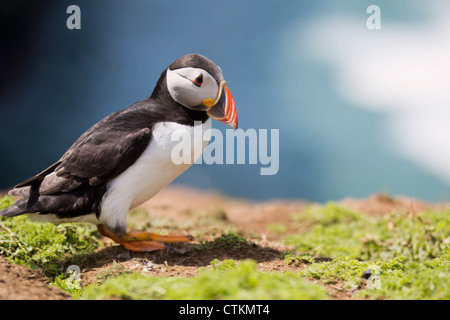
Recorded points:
(22,283)
(176,208)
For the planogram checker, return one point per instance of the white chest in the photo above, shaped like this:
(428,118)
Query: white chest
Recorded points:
(157,167)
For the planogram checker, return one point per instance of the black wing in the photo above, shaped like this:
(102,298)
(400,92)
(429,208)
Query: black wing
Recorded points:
(100,154)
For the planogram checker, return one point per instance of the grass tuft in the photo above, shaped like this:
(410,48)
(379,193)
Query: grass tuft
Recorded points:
(44,245)
(229,241)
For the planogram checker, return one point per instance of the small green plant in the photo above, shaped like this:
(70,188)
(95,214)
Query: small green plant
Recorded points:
(227,264)
(327,215)
(114,271)
(66,282)
(230,241)
(292,259)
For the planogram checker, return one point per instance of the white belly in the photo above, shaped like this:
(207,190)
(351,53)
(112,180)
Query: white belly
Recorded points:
(152,172)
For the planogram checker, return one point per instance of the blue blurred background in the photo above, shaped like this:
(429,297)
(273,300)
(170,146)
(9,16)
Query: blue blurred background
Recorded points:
(359,111)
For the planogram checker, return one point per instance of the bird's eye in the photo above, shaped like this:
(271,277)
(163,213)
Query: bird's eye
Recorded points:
(198,81)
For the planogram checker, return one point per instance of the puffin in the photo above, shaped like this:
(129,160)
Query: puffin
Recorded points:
(126,158)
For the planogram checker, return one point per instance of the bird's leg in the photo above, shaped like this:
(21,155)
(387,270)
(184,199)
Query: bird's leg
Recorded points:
(143,241)
(144,236)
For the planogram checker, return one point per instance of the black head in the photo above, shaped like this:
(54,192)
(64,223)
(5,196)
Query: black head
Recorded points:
(197,83)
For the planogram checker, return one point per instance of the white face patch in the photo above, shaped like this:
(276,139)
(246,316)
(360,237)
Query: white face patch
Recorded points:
(180,83)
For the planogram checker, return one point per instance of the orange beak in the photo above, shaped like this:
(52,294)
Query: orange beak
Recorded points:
(223,108)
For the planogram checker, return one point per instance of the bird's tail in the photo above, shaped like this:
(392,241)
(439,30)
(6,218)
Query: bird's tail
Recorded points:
(17,209)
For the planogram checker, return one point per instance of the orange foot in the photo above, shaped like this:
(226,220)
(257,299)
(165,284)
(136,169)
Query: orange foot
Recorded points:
(142,241)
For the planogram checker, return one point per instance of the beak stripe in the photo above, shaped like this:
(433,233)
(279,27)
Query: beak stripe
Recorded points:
(230,104)
(229,114)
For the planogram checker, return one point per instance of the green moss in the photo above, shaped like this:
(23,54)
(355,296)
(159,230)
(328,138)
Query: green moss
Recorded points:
(293,259)
(224,280)
(69,284)
(230,241)
(338,232)
(6,201)
(349,271)
(329,214)
(44,245)
(415,281)
(409,251)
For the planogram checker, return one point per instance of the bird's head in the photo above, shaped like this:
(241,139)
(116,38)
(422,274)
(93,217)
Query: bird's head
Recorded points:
(197,83)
